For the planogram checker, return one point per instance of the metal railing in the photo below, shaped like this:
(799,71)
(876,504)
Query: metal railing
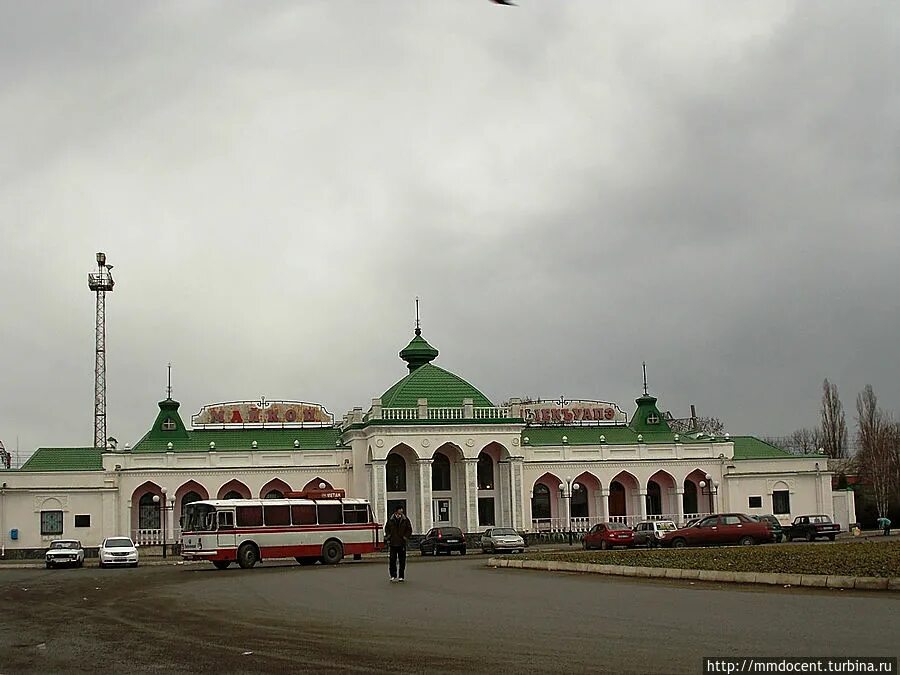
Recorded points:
(584,524)
(444,413)
(154,536)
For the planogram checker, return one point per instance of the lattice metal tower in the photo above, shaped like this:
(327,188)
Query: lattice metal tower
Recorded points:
(100,282)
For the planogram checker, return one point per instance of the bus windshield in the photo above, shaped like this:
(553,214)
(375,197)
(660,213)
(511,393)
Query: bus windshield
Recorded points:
(198,518)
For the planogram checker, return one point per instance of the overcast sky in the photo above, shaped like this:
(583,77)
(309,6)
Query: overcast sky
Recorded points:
(571,187)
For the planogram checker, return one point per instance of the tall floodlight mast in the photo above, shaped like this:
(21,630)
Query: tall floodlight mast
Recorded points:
(100,282)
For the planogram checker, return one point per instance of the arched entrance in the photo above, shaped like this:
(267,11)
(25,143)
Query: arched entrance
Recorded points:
(661,495)
(145,512)
(189,492)
(448,487)
(274,489)
(401,487)
(233,489)
(315,484)
(545,511)
(584,502)
(623,491)
(694,502)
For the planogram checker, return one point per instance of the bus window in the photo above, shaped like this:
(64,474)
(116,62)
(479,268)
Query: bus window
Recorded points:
(330,514)
(226,520)
(249,516)
(303,514)
(277,515)
(356,513)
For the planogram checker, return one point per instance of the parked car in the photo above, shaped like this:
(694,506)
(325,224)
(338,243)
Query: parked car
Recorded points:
(496,539)
(650,532)
(811,528)
(443,540)
(774,525)
(608,535)
(64,552)
(118,551)
(724,528)
(692,522)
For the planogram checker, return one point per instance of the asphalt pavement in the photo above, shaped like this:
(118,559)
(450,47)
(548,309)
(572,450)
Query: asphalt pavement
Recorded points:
(451,615)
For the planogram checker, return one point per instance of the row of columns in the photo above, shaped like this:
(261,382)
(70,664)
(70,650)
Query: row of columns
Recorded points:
(601,502)
(507,484)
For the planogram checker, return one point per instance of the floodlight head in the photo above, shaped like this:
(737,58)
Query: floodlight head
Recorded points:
(101,258)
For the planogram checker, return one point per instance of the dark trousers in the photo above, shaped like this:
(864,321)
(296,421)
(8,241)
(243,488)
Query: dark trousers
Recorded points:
(398,554)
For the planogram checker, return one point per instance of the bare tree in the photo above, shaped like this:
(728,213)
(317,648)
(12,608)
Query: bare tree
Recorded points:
(834,425)
(800,442)
(877,458)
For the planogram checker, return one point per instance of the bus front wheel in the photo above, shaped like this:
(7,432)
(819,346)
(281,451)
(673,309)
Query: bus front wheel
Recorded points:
(332,552)
(247,556)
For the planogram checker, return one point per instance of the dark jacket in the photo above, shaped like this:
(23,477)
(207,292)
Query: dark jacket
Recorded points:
(397,531)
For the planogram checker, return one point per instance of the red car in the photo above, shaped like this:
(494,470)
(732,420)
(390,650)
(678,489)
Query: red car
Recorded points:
(607,535)
(725,528)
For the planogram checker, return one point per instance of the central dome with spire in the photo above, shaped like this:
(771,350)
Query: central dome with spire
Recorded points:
(440,387)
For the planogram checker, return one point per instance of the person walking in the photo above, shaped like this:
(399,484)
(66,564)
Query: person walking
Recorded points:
(397,531)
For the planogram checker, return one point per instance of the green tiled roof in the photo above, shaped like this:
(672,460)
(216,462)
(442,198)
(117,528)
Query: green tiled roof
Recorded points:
(748,447)
(242,439)
(418,352)
(440,387)
(65,459)
(647,410)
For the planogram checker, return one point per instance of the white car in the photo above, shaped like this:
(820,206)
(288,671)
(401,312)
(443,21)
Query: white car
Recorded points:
(651,532)
(498,539)
(118,551)
(64,552)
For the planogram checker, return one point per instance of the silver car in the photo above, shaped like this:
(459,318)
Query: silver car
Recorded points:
(64,552)
(650,532)
(497,539)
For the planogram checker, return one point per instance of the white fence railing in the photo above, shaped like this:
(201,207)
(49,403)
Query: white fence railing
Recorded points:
(444,413)
(154,536)
(584,524)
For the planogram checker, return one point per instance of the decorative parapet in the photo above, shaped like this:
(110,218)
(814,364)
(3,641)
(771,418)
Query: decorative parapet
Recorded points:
(422,411)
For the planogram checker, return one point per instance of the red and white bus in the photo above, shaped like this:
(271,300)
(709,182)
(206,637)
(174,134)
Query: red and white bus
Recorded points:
(308,526)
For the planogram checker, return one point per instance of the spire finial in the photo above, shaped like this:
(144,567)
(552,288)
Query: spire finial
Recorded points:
(418,330)
(169,386)
(645,378)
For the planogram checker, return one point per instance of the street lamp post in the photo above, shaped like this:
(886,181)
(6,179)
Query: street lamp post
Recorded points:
(710,487)
(164,506)
(566,490)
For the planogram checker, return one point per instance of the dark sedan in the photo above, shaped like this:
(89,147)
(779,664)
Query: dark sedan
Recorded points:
(443,540)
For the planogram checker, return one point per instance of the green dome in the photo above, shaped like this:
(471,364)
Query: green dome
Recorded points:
(440,387)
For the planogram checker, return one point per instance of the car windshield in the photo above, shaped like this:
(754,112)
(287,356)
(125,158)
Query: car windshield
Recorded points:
(617,526)
(666,527)
(65,544)
(198,518)
(504,532)
(120,542)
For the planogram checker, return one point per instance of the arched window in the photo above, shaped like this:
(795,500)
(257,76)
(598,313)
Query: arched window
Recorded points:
(189,498)
(617,499)
(690,497)
(233,494)
(396,473)
(485,472)
(440,472)
(540,502)
(148,513)
(274,494)
(654,499)
(580,502)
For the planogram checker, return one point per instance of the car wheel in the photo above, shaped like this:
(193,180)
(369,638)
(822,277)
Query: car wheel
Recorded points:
(102,565)
(332,552)
(462,551)
(679,543)
(603,545)
(746,541)
(247,556)
(48,565)
(80,563)
(830,537)
(790,538)
(221,564)
(134,565)
(810,536)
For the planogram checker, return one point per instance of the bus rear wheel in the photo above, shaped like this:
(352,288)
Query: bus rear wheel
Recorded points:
(247,556)
(221,564)
(332,552)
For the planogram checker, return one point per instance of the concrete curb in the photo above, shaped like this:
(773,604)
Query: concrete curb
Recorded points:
(767,578)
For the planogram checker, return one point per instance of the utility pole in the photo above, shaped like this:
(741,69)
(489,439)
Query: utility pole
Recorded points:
(100,282)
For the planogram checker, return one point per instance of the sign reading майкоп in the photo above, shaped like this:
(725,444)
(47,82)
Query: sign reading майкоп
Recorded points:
(263,413)
(572,412)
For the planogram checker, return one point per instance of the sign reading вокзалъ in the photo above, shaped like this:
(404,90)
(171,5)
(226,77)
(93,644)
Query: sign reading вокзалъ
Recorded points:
(263,413)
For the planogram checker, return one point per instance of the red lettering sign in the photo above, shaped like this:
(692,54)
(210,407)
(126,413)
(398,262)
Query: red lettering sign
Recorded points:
(272,414)
(290,415)
(253,414)
(236,417)
(217,415)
